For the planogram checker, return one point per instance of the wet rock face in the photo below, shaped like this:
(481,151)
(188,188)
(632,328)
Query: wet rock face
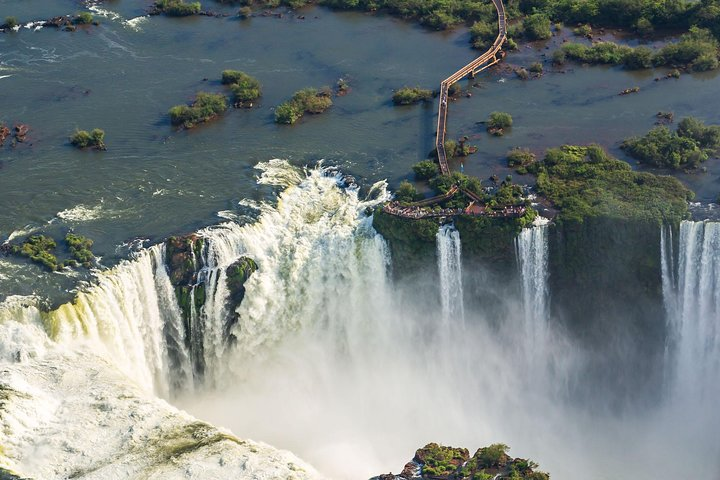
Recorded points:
(237,274)
(183,256)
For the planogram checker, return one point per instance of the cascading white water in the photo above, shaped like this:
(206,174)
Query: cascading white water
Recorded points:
(329,361)
(125,317)
(449,260)
(694,311)
(532,254)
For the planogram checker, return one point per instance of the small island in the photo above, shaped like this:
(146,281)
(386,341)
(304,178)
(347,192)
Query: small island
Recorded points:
(308,100)
(94,139)
(245,89)
(40,249)
(690,145)
(175,8)
(411,95)
(205,107)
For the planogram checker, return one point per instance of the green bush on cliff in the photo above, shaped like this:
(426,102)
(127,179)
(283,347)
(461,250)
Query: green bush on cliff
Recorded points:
(410,95)
(690,145)
(11,22)
(586,182)
(205,107)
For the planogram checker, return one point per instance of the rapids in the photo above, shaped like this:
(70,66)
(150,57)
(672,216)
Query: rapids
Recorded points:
(338,362)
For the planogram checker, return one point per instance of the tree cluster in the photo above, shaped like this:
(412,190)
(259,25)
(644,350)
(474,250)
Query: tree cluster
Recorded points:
(686,148)
(205,107)
(308,100)
(697,49)
(245,88)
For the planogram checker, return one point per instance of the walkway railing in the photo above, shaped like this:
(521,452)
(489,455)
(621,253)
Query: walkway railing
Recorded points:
(490,57)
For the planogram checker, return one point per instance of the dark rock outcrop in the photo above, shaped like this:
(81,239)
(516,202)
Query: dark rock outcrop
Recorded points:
(236,275)
(437,462)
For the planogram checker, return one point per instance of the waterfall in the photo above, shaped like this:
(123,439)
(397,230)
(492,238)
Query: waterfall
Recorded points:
(222,247)
(132,317)
(124,316)
(449,260)
(694,310)
(532,254)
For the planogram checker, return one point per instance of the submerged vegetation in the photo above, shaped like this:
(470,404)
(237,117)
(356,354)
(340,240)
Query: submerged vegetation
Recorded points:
(84,139)
(246,89)
(308,100)
(586,182)
(206,106)
(686,148)
(411,95)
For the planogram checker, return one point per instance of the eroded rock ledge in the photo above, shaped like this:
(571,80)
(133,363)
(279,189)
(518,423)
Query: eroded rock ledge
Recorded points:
(438,462)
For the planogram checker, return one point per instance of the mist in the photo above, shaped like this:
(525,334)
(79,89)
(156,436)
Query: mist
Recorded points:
(363,369)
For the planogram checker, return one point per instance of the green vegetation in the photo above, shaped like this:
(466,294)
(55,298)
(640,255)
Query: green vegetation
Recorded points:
(11,22)
(41,249)
(583,30)
(83,18)
(426,169)
(536,68)
(85,139)
(205,107)
(522,73)
(237,274)
(520,157)
(537,27)
(177,8)
(410,95)
(406,192)
(459,149)
(308,100)
(690,145)
(437,461)
(696,49)
(245,12)
(497,122)
(245,88)
(38,248)
(586,182)
(483,34)
(80,250)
